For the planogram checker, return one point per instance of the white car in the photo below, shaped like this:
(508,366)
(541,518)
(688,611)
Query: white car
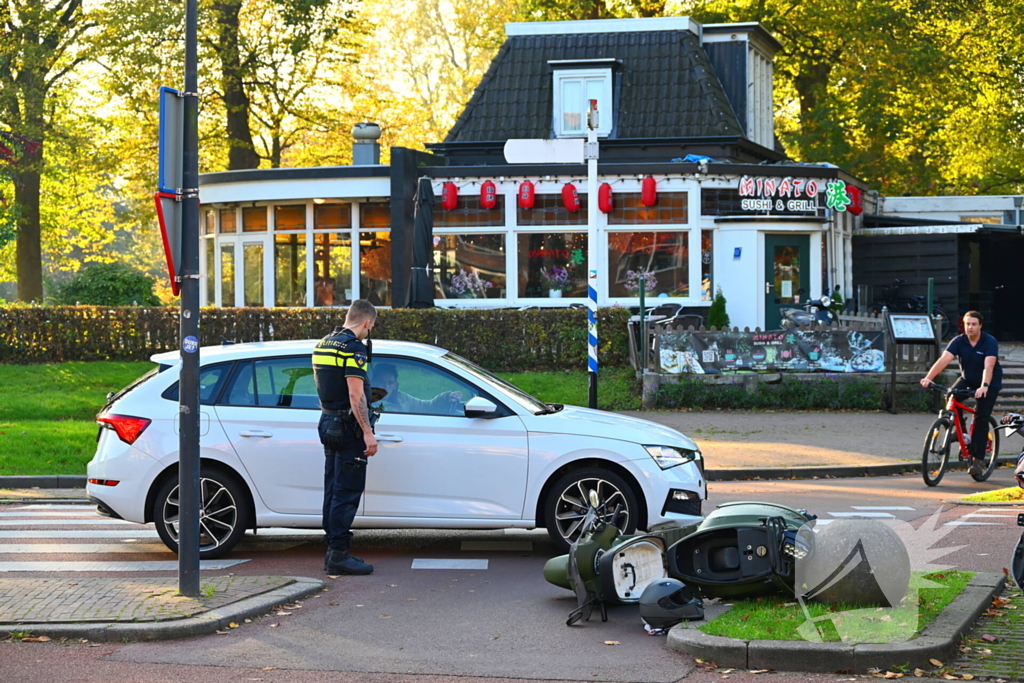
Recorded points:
(496,458)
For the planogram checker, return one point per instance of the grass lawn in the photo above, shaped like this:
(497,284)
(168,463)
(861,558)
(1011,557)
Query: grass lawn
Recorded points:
(775,618)
(1012,494)
(47,411)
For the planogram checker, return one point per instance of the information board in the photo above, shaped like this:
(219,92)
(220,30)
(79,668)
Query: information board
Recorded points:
(911,328)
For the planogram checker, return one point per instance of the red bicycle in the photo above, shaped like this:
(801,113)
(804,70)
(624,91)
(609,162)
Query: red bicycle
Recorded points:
(937,444)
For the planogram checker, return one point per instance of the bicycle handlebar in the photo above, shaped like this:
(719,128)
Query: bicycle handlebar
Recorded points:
(955,392)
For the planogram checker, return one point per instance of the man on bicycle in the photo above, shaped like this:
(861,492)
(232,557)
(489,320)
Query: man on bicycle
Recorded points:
(978,354)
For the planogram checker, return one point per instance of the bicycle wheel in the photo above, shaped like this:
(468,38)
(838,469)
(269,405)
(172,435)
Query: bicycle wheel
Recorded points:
(991,452)
(936,451)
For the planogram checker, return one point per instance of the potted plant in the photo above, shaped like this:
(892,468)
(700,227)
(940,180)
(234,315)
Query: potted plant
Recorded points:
(468,285)
(557,280)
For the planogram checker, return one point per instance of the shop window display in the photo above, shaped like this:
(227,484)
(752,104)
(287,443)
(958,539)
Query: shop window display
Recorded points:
(671,207)
(332,269)
(375,267)
(289,270)
(661,257)
(552,265)
(469,267)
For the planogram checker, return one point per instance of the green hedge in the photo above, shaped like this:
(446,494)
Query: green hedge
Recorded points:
(501,340)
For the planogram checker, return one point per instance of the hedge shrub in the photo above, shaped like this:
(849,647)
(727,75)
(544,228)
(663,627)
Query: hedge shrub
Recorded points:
(108,284)
(501,340)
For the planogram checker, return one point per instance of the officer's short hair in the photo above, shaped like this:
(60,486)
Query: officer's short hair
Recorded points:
(976,315)
(360,311)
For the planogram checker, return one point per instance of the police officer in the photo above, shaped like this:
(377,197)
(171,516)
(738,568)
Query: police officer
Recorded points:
(340,362)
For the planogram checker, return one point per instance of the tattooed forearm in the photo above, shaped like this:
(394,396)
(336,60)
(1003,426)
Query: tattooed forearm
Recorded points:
(362,414)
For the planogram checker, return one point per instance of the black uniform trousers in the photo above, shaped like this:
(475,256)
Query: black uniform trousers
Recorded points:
(344,482)
(982,411)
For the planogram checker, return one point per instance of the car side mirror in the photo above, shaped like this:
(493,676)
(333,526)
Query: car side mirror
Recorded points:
(480,407)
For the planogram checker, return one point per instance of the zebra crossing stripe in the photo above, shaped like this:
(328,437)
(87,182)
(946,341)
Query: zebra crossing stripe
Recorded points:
(154,566)
(63,522)
(55,506)
(873,515)
(449,564)
(959,523)
(46,513)
(140,531)
(80,548)
(879,507)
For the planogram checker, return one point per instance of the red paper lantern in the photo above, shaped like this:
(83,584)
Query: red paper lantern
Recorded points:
(855,207)
(604,198)
(449,196)
(488,195)
(527,195)
(649,191)
(570,197)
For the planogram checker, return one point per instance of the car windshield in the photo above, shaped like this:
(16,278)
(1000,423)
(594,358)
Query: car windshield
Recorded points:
(524,399)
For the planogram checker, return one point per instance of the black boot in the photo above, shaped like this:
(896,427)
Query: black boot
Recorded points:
(339,553)
(341,562)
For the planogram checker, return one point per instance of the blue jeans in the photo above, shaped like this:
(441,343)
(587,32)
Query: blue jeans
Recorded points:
(344,482)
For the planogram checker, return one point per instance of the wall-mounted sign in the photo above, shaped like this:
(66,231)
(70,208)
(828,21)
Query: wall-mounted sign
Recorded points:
(737,252)
(911,328)
(789,195)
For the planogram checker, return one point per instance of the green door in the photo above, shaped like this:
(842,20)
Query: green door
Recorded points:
(786,264)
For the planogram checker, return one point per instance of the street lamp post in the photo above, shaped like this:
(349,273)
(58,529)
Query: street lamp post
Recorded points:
(591,154)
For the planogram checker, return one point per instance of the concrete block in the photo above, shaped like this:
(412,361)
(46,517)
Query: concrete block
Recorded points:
(799,655)
(721,651)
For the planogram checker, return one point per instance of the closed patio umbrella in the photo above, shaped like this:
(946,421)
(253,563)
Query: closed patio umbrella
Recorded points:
(421,289)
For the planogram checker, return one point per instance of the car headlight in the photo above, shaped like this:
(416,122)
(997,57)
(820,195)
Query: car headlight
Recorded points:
(669,456)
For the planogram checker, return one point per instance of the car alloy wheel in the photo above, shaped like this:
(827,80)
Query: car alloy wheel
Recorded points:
(221,515)
(569,501)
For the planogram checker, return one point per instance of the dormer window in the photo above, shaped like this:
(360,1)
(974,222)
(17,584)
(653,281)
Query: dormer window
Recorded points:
(573,89)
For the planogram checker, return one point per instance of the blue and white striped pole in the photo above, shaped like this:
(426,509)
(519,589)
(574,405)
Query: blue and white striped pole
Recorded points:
(590,155)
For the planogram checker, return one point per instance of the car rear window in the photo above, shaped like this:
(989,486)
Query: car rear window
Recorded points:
(210,380)
(114,396)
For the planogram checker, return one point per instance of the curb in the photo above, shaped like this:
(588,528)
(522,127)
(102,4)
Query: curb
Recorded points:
(939,640)
(48,481)
(834,471)
(202,624)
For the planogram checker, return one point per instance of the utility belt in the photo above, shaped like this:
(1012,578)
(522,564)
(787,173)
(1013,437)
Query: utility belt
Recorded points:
(333,434)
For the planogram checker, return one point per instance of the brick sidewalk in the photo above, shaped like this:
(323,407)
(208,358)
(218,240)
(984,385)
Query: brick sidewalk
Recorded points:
(1002,659)
(32,601)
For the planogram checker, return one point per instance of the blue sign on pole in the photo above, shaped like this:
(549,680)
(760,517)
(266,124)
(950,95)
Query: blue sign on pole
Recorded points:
(172,128)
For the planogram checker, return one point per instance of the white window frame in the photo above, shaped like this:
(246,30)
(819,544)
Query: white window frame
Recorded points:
(604,105)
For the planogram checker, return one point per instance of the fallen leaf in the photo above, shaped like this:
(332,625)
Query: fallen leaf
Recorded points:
(94,645)
(232,625)
(334,604)
(411,599)
(612,642)
(248,621)
(885,617)
(495,637)
(950,677)
(268,668)
(727,671)
(967,677)
(918,673)
(935,662)
(72,583)
(989,639)
(759,671)
(274,625)
(36,639)
(223,633)
(892,674)
(284,614)
(385,616)
(745,617)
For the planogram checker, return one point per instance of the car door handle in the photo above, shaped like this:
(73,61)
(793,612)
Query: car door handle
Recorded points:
(258,435)
(389,437)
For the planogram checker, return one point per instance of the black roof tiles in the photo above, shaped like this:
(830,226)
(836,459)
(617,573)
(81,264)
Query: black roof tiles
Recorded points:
(664,85)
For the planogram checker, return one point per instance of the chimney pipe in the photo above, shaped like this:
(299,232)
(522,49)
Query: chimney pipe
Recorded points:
(365,148)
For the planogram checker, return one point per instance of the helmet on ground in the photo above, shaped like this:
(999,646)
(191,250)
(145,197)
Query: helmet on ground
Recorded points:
(666,602)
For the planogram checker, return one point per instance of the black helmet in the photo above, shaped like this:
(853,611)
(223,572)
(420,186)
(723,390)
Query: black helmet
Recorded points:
(666,602)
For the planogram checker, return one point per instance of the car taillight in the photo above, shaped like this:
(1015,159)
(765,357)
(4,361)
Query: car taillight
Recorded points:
(105,482)
(128,428)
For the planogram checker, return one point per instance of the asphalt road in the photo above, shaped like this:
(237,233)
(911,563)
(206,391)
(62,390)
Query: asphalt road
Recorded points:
(500,622)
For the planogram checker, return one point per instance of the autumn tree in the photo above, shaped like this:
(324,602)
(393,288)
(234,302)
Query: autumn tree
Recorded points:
(41,44)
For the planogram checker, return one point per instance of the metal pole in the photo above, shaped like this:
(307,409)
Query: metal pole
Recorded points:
(591,156)
(931,294)
(643,324)
(189,499)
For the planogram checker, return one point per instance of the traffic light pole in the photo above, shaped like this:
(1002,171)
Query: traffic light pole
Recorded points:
(189,495)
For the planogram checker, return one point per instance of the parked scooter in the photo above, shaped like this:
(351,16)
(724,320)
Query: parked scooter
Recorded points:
(814,312)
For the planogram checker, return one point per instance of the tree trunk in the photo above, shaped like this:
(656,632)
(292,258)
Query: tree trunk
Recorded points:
(29,246)
(811,84)
(241,151)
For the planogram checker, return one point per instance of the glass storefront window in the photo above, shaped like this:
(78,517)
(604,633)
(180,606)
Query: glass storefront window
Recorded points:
(707,254)
(548,209)
(375,267)
(552,265)
(332,216)
(210,222)
(290,270)
(228,221)
(254,219)
(227,275)
(663,257)
(375,215)
(252,274)
(332,269)
(290,217)
(211,285)
(671,207)
(469,267)
(469,212)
